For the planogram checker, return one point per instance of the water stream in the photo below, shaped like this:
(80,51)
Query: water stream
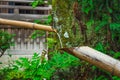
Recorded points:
(61,45)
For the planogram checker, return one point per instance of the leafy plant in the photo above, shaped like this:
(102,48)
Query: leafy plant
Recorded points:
(38,68)
(100,47)
(35,3)
(101,78)
(51,42)
(5,41)
(47,20)
(117,55)
(37,34)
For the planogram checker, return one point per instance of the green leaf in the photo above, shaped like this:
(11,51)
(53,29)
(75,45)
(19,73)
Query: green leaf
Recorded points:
(100,47)
(37,34)
(100,25)
(35,3)
(94,67)
(117,55)
(110,10)
(6,40)
(115,27)
(37,21)
(90,23)
(51,42)
(1,63)
(49,20)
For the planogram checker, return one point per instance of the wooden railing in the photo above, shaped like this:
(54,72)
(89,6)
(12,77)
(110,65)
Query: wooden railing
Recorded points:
(22,10)
(18,0)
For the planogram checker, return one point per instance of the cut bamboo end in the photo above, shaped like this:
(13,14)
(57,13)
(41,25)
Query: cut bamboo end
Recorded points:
(96,58)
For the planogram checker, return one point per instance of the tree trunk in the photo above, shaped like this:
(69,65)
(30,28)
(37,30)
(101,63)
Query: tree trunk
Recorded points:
(96,58)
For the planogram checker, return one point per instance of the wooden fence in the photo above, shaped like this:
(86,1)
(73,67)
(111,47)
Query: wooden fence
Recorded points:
(22,10)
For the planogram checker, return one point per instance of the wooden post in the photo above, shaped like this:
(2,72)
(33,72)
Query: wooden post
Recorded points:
(96,58)
(23,24)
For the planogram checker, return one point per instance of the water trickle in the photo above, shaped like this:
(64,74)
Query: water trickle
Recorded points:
(59,39)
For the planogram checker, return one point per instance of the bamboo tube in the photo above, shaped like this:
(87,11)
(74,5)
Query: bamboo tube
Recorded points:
(96,58)
(23,24)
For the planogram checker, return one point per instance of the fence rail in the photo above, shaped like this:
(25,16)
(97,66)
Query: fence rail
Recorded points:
(25,7)
(20,0)
(21,10)
(27,17)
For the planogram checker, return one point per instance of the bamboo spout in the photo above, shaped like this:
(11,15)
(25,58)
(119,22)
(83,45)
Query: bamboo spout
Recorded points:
(23,24)
(96,58)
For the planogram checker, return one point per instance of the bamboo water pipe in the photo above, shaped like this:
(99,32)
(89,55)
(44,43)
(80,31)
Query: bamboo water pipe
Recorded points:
(23,24)
(96,58)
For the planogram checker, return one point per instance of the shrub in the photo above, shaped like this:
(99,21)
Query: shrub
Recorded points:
(38,68)
(5,41)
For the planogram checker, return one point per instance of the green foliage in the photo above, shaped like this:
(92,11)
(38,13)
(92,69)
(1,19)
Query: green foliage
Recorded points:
(51,42)
(100,25)
(5,41)
(47,20)
(63,60)
(103,48)
(37,33)
(14,74)
(101,78)
(115,78)
(38,68)
(117,55)
(35,3)
(87,6)
(100,47)
(115,27)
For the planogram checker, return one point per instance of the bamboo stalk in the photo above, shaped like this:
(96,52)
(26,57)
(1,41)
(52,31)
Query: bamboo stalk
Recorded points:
(23,24)
(96,58)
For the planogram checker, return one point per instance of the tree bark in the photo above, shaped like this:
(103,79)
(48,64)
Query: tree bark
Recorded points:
(96,58)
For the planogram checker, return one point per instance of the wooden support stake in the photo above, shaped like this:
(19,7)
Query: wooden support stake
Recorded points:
(96,58)
(23,24)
